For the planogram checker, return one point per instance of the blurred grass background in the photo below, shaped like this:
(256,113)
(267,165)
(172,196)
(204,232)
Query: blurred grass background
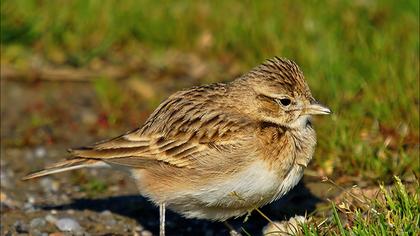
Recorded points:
(361,58)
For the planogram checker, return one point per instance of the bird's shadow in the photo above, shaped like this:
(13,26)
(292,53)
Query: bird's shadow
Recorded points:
(299,201)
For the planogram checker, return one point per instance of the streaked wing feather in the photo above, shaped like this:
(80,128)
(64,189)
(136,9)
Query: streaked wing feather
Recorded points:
(181,132)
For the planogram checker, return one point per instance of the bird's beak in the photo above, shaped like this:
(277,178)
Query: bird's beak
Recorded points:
(317,109)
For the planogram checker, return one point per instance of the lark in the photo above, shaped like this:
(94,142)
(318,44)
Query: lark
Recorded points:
(216,151)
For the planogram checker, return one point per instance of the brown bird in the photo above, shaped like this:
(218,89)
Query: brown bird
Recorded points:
(217,151)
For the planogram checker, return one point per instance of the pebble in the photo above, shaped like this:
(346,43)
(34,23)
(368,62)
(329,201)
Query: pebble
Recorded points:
(57,234)
(114,188)
(37,233)
(288,227)
(20,227)
(5,178)
(127,229)
(68,224)
(71,211)
(37,223)
(28,207)
(49,185)
(88,117)
(106,213)
(6,201)
(51,219)
(140,231)
(146,233)
(31,199)
(40,152)
(111,222)
(139,228)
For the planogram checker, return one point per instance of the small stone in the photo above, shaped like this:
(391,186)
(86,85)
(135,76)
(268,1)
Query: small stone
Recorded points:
(114,188)
(3,197)
(20,227)
(139,228)
(68,224)
(31,199)
(36,232)
(57,234)
(234,233)
(88,117)
(111,222)
(64,197)
(146,233)
(288,227)
(5,179)
(28,207)
(106,213)
(49,185)
(7,201)
(51,219)
(40,152)
(37,223)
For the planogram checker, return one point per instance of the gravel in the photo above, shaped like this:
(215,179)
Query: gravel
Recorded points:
(38,233)
(37,223)
(49,185)
(146,233)
(287,227)
(40,152)
(20,227)
(5,178)
(28,207)
(68,224)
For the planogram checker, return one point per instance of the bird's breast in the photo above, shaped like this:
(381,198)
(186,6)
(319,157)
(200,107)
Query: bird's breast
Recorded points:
(253,186)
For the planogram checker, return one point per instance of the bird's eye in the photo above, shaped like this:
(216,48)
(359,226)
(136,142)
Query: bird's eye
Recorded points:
(285,101)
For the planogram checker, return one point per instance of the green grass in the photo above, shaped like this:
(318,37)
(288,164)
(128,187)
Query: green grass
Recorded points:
(94,187)
(396,211)
(360,58)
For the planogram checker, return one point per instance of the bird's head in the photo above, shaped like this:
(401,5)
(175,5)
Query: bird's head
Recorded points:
(279,94)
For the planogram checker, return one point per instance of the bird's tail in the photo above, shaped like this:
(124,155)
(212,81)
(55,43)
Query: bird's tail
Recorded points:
(62,166)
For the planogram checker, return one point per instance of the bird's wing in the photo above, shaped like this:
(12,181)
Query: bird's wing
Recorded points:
(181,132)
(185,152)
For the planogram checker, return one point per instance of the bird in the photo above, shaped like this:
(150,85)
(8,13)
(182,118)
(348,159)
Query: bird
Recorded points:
(216,151)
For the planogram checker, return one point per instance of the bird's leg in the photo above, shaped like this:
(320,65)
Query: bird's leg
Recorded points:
(162,219)
(232,231)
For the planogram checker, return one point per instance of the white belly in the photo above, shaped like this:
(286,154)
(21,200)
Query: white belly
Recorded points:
(253,187)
